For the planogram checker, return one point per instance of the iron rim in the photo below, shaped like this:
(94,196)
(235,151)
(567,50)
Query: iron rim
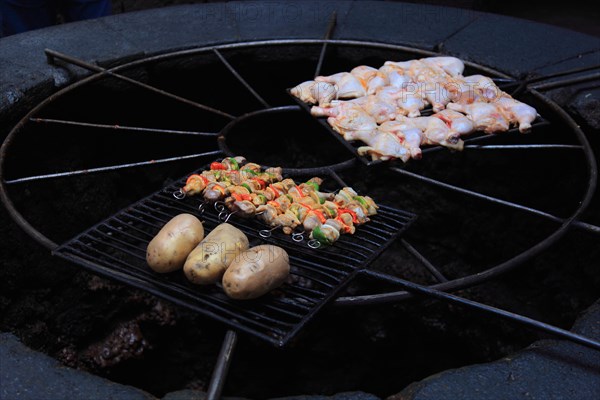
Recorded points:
(459,283)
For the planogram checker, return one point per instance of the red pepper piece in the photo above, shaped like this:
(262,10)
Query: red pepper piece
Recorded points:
(352,213)
(217,166)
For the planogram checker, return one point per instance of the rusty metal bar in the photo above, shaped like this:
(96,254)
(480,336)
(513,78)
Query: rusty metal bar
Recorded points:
(51,54)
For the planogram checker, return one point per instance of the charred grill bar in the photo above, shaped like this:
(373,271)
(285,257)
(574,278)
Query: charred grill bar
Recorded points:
(113,246)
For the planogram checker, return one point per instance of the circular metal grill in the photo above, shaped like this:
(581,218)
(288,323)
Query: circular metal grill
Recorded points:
(216,144)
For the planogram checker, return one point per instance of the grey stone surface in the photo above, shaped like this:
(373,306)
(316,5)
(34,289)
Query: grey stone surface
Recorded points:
(189,394)
(28,375)
(517,46)
(547,370)
(173,28)
(284,19)
(338,396)
(411,24)
(198,395)
(571,62)
(586,104)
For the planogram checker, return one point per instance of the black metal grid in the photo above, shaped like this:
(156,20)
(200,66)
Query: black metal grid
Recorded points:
(116,248)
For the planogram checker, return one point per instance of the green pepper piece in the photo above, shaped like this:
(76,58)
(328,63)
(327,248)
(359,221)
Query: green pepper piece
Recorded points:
(234,163)
(362,201)
(247,187)
(263,199)
(251,172)
(321,200)
(318,235)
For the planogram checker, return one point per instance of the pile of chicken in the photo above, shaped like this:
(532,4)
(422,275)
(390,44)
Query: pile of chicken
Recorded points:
(382,107)
(248,191)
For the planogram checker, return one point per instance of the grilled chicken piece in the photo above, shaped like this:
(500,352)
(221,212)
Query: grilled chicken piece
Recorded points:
(488,117)
(348,85)
(314,92)
(436,94)
(471,89)
(420,71)
(451,65)
(371,78)
(378,108)
(267,213)
(408,101)
(518,112)
(348,119)
(274,174)
(385,146)
(435,131)
(394,76)
(288,221)
(456,121)
(410,138)
(243,208)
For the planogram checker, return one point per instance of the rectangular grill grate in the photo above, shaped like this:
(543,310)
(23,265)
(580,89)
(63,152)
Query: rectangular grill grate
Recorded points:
(116,248)
(352,146)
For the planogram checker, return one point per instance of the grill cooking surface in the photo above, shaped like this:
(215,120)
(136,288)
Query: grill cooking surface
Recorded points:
(116,248)
(353,146)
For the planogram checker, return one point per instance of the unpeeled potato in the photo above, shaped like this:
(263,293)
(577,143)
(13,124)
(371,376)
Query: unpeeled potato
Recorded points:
(209,260)
(256,272)
(168,250)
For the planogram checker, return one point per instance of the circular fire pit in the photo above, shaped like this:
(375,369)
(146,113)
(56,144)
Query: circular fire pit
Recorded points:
(480,211)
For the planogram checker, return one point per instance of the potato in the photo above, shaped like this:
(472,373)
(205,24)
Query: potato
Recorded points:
(168,250)
(256,271)
(209,260)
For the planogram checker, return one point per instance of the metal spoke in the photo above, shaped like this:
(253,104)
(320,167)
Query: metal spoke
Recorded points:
(563,73)
(110,168)
(121,127)
(426,263)
(532,323)
(579,224)
(336,177)
(565,82)
(217,381)
(522,146)
(328,34)
(239,78)
(51,54)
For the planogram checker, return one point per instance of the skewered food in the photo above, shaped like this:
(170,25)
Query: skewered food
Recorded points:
(214,184)
(213,255)
(168,250)
(283,202)
(289,205)
(256,272)
(374,99)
